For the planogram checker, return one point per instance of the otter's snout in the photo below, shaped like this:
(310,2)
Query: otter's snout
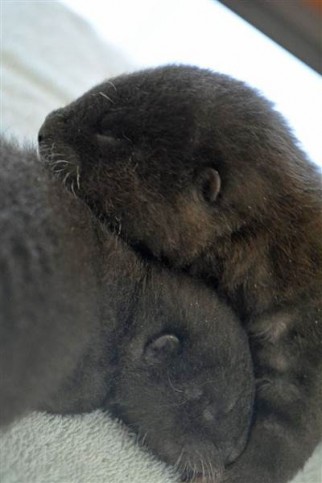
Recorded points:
(57,151)
(55,122)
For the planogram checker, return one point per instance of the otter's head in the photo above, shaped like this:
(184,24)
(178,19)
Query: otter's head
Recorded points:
(174,158)
(185,380)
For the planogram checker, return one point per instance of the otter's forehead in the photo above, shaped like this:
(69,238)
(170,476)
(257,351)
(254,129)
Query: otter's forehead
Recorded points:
(196,314)
(171,94)
(175,88)
(177,108)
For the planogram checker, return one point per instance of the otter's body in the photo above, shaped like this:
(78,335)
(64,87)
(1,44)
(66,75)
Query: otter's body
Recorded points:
(199,171)
(85,324)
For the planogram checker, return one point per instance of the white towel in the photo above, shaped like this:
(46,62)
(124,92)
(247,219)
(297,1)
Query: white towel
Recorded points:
(89,448)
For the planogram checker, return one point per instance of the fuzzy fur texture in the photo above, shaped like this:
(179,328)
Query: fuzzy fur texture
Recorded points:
(84,323)
(199,171)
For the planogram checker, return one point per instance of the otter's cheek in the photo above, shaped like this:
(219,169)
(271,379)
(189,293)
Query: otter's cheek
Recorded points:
(175,231)
(193,227)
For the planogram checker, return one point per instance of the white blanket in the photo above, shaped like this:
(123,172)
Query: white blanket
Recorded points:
(49,56)
(89,448)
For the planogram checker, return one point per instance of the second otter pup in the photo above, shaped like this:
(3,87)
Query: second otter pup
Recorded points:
(85,324)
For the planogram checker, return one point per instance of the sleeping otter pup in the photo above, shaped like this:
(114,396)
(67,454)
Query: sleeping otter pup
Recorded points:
(85,324)
(199,171)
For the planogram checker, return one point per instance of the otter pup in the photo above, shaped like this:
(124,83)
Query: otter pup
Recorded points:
(199,171)
(85,324)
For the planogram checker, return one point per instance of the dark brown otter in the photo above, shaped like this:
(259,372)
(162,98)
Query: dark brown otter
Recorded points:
(84,323)
(198,170)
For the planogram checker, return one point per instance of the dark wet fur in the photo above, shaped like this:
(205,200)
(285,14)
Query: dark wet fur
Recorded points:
(199,171)
(85,324)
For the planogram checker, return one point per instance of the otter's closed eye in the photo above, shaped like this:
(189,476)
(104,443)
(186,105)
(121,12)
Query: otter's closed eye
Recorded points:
(108,140)
(162,349)
(209,183)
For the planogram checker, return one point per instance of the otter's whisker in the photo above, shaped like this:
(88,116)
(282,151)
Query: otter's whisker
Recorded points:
(203,466)
(62,161)
(66,178)
(106,97)
(184,468)
(111,83)
(78,177)
(172,386)
(63,170)
(206,469)
(211,470)
(177,463)
(72,189)
(118,228)
(203,474)
(144,438)
(195,471)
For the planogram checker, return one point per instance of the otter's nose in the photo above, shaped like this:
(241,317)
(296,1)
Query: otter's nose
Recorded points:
(42,134)
(54,123)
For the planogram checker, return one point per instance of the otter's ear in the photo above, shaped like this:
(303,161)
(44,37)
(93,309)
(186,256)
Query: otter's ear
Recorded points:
(209,184)
(162,349)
